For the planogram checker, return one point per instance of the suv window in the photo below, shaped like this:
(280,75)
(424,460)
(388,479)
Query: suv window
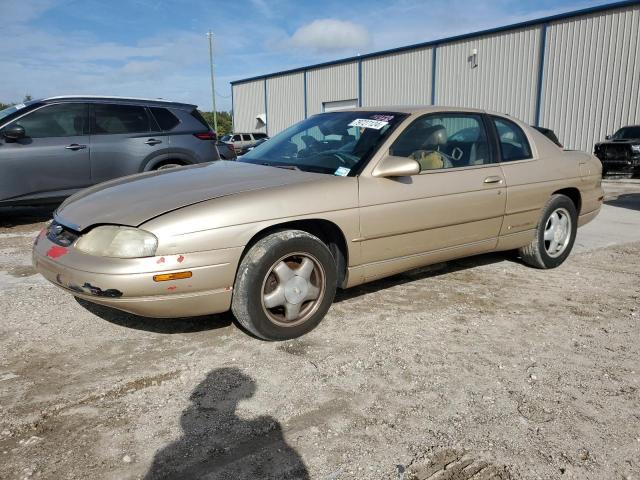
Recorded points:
(513,142)
(246,137)
(166,120)
(115,119)
(59,120)
(449,140)
(236,138)
(258,136)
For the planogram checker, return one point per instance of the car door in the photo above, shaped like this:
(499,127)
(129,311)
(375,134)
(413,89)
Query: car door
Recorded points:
(236,140)
(247,141)
(52,159)
(123,139)
(454,207)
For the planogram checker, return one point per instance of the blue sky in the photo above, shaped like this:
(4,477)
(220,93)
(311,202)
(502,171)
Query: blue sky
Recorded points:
(159,48)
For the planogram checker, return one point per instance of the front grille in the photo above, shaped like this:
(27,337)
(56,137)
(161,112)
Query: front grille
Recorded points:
(61,235)
(616,152)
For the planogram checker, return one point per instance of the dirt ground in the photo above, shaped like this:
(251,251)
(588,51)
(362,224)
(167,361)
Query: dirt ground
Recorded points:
(481,367)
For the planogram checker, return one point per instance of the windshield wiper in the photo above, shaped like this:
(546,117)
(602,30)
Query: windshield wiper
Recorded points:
(286,167)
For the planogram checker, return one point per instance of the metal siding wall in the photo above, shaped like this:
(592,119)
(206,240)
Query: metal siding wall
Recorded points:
(592,76)
(397,79)
(248,99)
(330,84)
(504,80)
(285,101)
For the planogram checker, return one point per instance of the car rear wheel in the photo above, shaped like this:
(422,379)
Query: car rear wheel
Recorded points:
(555,234)
(285,285)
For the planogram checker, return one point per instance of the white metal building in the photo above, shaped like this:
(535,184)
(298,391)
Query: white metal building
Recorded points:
(577,73)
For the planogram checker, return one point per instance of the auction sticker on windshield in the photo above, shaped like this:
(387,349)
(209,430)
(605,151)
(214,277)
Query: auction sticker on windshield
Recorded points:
(368,123)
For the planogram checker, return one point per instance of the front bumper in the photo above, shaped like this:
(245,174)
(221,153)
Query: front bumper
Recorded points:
(128,285)
(624,165)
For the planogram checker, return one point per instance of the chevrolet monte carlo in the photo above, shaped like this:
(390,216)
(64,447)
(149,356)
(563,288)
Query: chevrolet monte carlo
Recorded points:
(337,200)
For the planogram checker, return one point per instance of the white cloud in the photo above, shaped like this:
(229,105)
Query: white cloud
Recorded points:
(329,34)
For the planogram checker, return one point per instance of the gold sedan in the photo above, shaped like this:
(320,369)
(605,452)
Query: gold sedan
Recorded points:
(337,200)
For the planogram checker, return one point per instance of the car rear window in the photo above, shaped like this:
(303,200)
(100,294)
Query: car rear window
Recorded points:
(166,120)
(114,119)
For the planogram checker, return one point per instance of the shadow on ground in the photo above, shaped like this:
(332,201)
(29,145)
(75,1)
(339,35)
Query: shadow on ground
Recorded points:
(14,216)
(217,444)
(625,200)
(158,325)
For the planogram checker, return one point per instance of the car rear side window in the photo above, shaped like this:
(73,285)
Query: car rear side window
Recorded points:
(60,120)
(246,138)
(114,119)
(166,120)
(513,142)
(258,136)
(198,116)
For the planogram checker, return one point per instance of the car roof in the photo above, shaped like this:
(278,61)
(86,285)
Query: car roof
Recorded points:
(412,109)
(123,100)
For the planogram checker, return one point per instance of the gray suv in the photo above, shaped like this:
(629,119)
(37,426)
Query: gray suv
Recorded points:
(53,147)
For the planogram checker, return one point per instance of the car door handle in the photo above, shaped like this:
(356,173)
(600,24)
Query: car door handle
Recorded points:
(75,146)
(493,179)
(153,141)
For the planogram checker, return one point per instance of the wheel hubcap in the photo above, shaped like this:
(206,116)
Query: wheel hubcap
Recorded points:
(293,289)
(557,232)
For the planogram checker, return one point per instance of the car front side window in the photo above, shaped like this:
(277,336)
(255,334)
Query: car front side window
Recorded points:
(58,120)
(441,141)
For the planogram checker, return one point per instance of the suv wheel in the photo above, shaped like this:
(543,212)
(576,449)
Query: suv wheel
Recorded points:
(285,285)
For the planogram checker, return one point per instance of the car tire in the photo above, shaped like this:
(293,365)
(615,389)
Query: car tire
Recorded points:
(285,285)
(554,235)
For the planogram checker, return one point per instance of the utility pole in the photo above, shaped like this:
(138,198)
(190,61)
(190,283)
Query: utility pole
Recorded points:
(213,81)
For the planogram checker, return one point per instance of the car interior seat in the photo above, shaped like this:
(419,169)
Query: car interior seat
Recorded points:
(428,155)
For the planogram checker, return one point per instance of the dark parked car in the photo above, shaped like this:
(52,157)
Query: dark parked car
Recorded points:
(53,147)
(550,134)
(620,153)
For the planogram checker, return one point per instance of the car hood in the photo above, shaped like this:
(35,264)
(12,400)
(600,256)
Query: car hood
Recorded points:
(136,199)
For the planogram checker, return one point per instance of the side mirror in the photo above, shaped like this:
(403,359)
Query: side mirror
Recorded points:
(15,132)
(607,137)
(392,166)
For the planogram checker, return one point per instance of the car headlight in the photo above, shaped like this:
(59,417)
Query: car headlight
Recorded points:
(635,148)
(118,242)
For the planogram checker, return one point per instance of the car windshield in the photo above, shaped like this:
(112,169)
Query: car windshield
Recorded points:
(627,133)
(226,138)
(337,143)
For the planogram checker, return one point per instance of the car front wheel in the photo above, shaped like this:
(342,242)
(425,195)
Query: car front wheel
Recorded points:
(285,285)
(555,234)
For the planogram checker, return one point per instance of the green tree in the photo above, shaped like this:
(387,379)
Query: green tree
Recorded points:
(224,122)
(4,105)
